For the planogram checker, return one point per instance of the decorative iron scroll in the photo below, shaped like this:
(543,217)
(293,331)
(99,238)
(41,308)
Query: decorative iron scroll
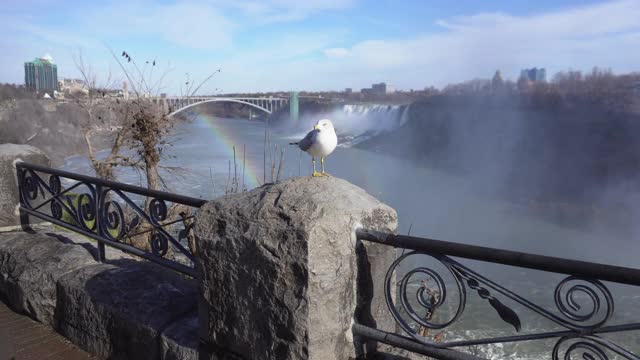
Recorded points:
(582,320)
(106,211)
(588,347)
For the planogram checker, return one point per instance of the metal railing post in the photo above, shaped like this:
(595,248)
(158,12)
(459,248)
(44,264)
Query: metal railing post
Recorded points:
(97,209)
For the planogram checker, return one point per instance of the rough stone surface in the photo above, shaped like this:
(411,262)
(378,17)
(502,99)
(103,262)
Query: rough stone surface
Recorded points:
(30,265)
(91,245)
(180,340)
(9,196)
(280,269)
(118,310)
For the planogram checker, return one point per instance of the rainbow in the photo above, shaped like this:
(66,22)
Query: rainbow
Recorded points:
(226,140)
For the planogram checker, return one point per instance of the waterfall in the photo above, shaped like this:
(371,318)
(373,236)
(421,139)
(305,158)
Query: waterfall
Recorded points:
(354,123)
(357,123)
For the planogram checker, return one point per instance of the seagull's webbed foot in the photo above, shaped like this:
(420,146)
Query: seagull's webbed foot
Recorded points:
(324,174)
(317,174)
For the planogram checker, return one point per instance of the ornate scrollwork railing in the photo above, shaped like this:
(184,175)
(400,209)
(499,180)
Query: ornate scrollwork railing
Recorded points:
(582,305)
(151,224)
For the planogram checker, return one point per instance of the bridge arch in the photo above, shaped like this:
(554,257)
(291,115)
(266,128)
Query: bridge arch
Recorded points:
(240,101)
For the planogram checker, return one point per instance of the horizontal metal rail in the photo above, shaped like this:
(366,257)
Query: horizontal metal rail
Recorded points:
(181,199)
(92,207)
(618,274)
(409,344)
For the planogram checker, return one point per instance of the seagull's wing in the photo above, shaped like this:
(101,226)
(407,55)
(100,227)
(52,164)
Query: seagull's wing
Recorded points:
(308,140)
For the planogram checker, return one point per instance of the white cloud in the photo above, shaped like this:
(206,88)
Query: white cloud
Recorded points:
(190,25)
(471,46)
(15,26)
(336,52)
(269,11)
(288,62)
(466,47)
(148,29)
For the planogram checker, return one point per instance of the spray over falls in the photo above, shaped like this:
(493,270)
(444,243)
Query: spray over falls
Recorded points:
(356,123)
(363,122)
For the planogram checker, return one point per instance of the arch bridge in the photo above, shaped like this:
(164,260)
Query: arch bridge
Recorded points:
(176,104)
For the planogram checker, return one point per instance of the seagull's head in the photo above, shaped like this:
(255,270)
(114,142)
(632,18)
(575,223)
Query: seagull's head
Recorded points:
(324,124)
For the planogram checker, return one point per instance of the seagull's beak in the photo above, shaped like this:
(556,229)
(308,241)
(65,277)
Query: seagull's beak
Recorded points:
(316,127)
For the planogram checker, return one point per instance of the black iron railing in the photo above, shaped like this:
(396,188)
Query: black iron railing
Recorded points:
(581,309)
(151,224)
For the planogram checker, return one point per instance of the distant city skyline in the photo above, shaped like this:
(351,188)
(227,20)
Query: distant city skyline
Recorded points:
(534,74)
(281,45)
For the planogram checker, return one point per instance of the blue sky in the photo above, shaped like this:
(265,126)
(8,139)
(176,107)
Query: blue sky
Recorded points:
(322,44)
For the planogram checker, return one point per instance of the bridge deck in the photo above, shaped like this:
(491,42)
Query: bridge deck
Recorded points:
(22,338)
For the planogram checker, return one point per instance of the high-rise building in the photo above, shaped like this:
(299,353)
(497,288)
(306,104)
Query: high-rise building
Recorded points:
(41,75)
(534,74)
(379,89)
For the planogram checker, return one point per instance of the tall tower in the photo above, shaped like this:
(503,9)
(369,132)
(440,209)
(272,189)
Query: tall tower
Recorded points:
(41,75)
(293,106)
(125,90)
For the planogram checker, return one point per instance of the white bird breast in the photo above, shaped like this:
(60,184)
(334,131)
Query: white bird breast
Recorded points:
(324,143)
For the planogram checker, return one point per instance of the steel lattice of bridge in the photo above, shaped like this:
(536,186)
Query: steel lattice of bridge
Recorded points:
(176,104)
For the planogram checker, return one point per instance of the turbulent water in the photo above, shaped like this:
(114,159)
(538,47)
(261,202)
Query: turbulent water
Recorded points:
(363,122)
(432,203)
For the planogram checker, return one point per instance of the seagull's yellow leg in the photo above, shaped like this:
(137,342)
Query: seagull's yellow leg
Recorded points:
(322,162)
(315,173)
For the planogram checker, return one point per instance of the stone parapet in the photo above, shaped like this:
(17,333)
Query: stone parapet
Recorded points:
(9,195)
(282,274)
(120,309)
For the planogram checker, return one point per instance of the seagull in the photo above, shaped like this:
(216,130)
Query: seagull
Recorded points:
(319,142)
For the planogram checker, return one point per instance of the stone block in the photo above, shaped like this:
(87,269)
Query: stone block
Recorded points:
(280,269)
(30,265)
(180,340)
(119,310)
(9,195)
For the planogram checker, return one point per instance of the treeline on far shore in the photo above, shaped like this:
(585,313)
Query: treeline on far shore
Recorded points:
(15,92)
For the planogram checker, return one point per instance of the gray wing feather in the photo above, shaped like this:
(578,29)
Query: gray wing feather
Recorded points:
(308,140)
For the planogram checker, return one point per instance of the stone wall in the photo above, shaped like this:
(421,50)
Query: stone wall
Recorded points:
(120,309)
(280,265)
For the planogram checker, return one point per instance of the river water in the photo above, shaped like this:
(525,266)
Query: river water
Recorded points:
(431,203)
